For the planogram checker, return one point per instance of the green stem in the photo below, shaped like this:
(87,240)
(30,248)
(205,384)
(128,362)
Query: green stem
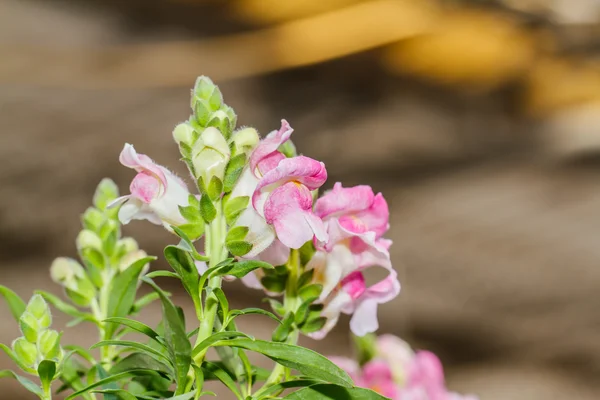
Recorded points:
(291,302)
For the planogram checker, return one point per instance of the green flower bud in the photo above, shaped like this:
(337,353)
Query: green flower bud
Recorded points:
(88,239)
(39,309)
(93,218)
(30,326)
(203,89)
(26,352)
(64,271)
(128,245)
(244,140)
(132,257)
(49,344)
(106,192)
(210,155)
(184,133)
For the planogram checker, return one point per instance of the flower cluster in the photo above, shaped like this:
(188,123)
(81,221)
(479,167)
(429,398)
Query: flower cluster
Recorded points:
(396,371)
(274,192)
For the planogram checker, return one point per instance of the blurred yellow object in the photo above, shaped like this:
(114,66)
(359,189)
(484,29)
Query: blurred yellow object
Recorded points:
(274,11)
(555,83)
(467,48)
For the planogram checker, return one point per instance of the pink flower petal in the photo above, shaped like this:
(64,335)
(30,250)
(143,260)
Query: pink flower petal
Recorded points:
(145,187)
(426,370)
(305,170)
(141,162)
(342,200)
(289,210)
(364,320)
(376,217)
(270,144)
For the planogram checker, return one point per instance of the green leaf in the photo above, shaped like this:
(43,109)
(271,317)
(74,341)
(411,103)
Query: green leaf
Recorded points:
(112,378)
(144,301)
(235,313)
(311,292)
(161,273)
(65,307)
(202,112)
(306,252)
(239,247)
(187,245)
(184,266)
(280,387)
(122,291)
(234,169)
(232,208)
(299,358)
(46,371)
(134,345)
(176,340)
(207,209)
(193,231)
(136,361)
(313,325)
(276,306)
(236,233)
(325,391)
(223,376)
(215,188)
(222,301)
(190,213)
(15,303)
(306,278)
(275,284)
(119,393)
(221,268)
(74,349)
(136,326)
(26,383)
(10,353)
(282,332)
(214,338)
(242,268)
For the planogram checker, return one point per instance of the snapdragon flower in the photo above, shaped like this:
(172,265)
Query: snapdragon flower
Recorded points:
(280,216)
(397,372)
(156,192)
(356,219)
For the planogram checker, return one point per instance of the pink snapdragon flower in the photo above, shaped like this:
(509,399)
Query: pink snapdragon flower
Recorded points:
(401,374)
(281,215)
(356,220)
(156,193)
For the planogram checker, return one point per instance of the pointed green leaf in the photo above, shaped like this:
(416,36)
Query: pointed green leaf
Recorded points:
(161,273)
(239,248)
(10,353)
(215,337)
(123,289)
(310,292)
(119,394)
(26,383)
(134,345)
(236,233)
(176,340)
(325,391)
(280,387)
(184,266)
(112,378)
(242,268)
(207,209)
(46,371)
(136,326)
(215,188)
(233,207)
(299,358)
(235,313)
(282,332)
(137,361)
(234,169)
(144,301)
(223,376)
(15,304)
(65,307)
(313,325)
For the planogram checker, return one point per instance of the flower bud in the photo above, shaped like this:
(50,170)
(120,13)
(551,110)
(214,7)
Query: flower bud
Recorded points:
(210,155)
(88,239)
(49,344)
(26,352)
(106,192)
(132,257)
(128,245)
(93,219)
(64,270)
(245,140)
(39,309)
(29,326)
(184,133)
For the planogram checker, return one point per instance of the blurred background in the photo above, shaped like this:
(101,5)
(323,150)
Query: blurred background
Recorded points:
(478,119)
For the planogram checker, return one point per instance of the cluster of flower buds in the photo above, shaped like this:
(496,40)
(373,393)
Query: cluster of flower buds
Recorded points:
(38,342)
(390,367)
(267,194)
(103,252)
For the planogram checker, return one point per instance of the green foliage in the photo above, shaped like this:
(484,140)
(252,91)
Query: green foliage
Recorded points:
(233,207)
(15,304)
(207,209)
(334,392)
